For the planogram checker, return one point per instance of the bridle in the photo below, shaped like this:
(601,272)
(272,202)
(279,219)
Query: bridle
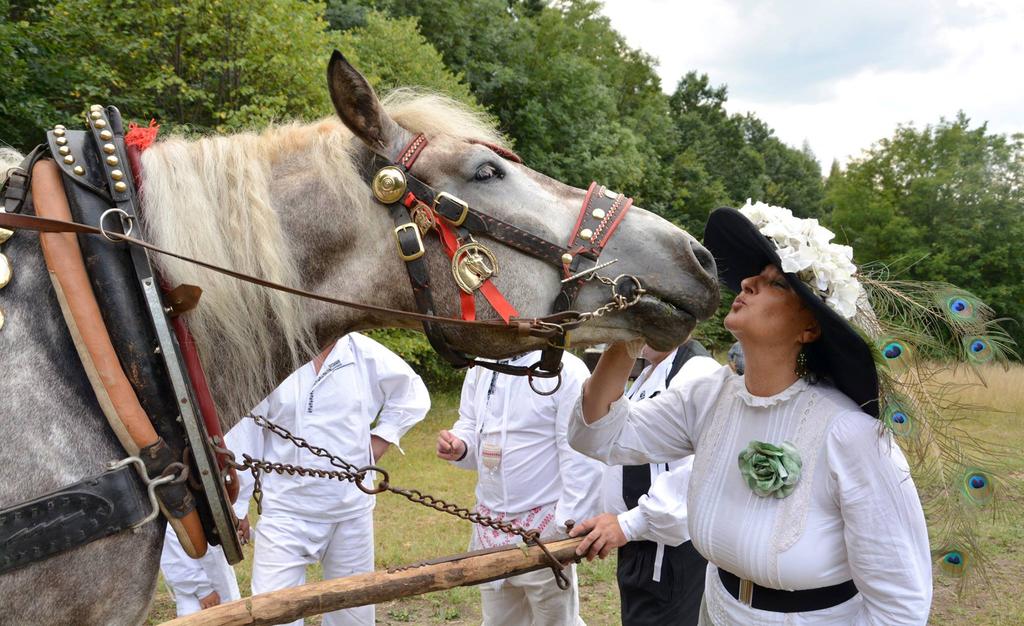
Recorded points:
(418,209)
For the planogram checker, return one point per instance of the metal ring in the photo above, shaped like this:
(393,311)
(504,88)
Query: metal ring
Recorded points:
(124,217)
(531,373)
(631,300)
(381,486)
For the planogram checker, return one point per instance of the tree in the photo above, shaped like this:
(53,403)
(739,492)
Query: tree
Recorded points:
(942,203)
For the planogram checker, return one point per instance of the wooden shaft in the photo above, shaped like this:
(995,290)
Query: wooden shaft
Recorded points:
(286,605)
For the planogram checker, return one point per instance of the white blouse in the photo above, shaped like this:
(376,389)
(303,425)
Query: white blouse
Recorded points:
(854,514)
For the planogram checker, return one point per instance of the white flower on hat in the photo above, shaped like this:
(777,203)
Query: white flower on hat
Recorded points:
(805,248)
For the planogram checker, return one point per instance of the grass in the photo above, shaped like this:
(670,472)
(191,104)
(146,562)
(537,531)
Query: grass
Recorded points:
(407,533)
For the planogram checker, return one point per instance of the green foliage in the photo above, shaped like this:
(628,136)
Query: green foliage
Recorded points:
(414,348)
(943,203)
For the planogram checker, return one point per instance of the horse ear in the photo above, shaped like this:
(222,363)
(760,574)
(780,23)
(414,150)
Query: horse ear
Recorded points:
(359,108)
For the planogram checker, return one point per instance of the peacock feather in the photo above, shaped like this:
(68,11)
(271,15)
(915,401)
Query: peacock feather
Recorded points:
(932,340)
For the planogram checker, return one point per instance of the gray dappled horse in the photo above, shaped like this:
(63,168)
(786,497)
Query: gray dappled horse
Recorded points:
(290,205)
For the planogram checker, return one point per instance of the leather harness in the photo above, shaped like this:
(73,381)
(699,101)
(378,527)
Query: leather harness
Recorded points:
(417,209)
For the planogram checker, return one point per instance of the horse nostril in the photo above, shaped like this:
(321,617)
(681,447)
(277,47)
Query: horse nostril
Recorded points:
(704,258)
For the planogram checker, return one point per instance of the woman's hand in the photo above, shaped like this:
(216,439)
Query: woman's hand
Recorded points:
(450,447)
(603,534)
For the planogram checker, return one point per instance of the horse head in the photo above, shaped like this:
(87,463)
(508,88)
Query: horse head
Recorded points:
(676,272)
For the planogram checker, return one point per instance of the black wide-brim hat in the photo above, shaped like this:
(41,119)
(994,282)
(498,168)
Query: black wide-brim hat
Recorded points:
(841,354)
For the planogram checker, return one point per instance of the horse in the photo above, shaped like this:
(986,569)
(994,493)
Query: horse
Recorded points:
(289,204)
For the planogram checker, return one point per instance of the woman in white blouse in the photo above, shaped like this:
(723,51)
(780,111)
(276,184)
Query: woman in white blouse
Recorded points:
(799,498)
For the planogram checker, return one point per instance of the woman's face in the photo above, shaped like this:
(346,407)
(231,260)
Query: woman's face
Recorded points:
(768,311)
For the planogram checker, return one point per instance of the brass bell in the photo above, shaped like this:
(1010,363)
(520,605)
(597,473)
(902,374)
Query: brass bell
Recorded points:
(5,270)
(389,184)
(598,214)
(586,234)
(116,174)
(106,135)
(79,170)
(120,187)
(109,148)
(112,160)
(99,123)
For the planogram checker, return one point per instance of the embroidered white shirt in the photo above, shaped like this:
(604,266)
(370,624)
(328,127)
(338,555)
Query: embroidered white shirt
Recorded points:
(530,430)
(362,389)
(855,514)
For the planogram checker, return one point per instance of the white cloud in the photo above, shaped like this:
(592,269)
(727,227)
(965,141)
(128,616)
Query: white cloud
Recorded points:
(842,75)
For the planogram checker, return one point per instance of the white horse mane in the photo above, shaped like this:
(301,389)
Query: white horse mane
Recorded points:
(211,199)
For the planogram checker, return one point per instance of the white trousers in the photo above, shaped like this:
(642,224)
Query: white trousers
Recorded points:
(183,575)
(286,546)
(531,599)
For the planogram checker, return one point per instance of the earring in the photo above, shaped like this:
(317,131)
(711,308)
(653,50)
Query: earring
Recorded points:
(801,364)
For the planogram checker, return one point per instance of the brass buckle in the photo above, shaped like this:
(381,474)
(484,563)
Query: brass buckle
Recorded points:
(419,241)
(462,215)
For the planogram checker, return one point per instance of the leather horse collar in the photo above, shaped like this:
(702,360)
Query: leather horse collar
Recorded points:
(417,209)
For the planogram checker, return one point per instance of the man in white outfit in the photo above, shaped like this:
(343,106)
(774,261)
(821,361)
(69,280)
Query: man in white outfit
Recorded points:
(196,584)
(355,400)
(515,439)
(660,574)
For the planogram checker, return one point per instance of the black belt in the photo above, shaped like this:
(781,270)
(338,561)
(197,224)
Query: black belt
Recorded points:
(779,601)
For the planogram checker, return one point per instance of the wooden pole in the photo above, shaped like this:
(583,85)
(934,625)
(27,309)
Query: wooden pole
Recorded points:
(286,605)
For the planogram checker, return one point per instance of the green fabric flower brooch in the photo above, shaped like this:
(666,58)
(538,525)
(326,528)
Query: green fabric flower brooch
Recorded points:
(770,470)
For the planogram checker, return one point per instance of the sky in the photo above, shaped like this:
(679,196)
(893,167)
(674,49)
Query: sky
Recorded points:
(841,74)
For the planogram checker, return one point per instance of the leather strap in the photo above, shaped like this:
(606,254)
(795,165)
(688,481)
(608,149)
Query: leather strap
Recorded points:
(779,601)
(92,508)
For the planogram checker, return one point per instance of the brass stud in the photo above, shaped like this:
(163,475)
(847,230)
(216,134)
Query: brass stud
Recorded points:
(5,234)
(99,124)
(598,214)
(95,114)
(62,141)
(116,174)
(69,159)
(112,160)
(59,127)
(608,193)
(58,132)
(106,135)
(109,148)
(566,258)
(79,170)
(2,320)
(586,234)
(120,187)
(96,107)
(63,150)
(5,271)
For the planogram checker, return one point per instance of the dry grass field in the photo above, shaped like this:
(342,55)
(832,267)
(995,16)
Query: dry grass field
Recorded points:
(408,533)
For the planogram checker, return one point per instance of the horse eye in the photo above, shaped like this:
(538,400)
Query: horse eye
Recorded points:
(488,171)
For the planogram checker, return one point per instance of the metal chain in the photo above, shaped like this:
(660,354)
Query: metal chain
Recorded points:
(619,302)
(351,473)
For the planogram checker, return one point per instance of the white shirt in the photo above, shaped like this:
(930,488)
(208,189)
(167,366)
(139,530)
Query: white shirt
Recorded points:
(855,513)
(530,430)
(360,384)
(660,515)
